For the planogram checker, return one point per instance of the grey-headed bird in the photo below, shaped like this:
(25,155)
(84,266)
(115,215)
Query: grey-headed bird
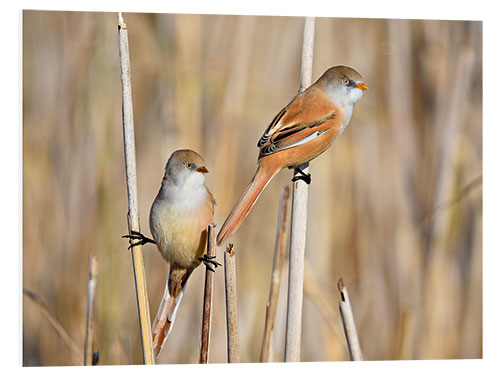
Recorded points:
(178,220)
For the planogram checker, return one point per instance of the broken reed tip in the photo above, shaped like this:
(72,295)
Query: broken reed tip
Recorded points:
(340,285)
(229,249)
(121,22)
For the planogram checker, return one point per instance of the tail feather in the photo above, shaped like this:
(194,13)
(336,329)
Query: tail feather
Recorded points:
(265,172)
(174,290)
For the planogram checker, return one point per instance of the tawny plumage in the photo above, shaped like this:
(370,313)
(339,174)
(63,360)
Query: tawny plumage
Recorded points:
(179,219)
(300,132)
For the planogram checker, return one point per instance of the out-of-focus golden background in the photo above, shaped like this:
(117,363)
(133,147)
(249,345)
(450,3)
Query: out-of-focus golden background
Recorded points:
(395,206)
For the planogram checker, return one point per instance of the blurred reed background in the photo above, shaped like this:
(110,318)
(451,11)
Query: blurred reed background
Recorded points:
(395,206)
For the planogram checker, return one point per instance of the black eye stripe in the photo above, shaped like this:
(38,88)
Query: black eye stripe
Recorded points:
(351,82)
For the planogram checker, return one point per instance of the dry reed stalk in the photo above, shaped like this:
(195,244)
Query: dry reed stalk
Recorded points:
(233,343)
(89,327)
(351,333)
(207,298)
(56,323)
(406,335)
(272,302)
(133,211)
(437,318)
(448,131)
(298,222)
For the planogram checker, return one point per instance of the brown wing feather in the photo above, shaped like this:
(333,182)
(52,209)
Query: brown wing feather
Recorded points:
(302,117)
(267,134)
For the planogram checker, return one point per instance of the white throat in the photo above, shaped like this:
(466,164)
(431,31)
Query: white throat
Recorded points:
(185,191)
(346,99)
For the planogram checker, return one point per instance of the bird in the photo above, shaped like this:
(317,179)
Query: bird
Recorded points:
(179,220)
(300,132)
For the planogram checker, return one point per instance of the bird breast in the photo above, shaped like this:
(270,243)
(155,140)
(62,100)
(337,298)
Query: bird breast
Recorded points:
(178,220)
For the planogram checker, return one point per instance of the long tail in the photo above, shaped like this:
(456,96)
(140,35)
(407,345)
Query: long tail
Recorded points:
(174,290)
(265,172)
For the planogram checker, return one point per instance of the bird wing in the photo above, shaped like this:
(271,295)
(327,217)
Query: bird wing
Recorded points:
(302,120)
(212,201)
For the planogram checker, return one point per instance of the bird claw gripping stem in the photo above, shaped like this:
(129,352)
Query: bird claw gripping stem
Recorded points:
(302,176)
(142,239)
(209,260)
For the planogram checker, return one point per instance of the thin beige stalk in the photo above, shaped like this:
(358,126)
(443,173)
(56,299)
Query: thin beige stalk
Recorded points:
(56,323)
(350,330)
(233,343)
(207,299)
(272,302)
(298,223)
(133,212)
(89,327)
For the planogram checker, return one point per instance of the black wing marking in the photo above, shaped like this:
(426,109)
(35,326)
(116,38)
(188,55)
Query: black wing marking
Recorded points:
(265,137)
(275,145)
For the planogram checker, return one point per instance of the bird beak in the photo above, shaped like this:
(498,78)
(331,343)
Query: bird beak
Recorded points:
(202,169)
(361,86)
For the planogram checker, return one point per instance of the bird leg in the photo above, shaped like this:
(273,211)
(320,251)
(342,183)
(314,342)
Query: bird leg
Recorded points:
(138,236)
(300,175)
(208,260)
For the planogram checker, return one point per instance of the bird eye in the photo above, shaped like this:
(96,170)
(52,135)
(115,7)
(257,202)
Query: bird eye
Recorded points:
(345,81)
(189,165)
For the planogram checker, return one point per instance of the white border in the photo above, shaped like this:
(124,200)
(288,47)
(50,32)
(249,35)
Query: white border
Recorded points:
(11,220)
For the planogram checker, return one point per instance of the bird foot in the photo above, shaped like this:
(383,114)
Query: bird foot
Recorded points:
(300,175)
(142,239)
(209,260)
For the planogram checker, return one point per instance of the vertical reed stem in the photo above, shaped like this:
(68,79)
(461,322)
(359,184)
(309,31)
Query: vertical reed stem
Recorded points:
(207,299)
(351,333)
(133,212)
(272,302)
(89,327)
(233,345)
(298,222)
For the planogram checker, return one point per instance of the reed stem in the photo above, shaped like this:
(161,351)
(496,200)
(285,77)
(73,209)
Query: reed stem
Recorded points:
(233,344)
(350,330)
(133,212)
(207,299)
(89,327)
(298,222)
(272,302)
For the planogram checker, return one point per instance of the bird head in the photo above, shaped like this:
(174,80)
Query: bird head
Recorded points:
(343,85)
(186,168)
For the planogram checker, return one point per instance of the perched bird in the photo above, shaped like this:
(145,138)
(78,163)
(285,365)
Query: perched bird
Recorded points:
(301,131)
(178,220)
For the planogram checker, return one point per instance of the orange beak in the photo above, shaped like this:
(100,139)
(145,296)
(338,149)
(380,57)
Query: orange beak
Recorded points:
(202,169)
(361,86)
